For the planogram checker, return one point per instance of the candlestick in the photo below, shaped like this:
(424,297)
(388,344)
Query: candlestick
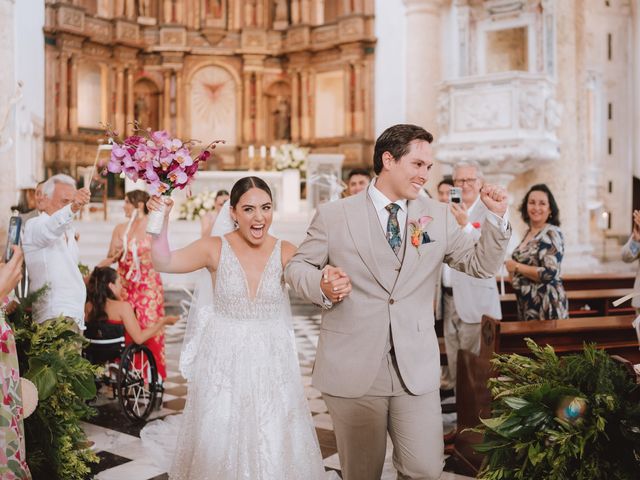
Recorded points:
(263,151)
(252,151)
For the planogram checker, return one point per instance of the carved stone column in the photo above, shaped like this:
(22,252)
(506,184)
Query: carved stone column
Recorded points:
(63,86)
(261,130)
(305,11)
(295,106)
(305,98)
(130,102)
(166,101)
(295,12)
(247,132)
(348,100)
(179,108)
(423,64)
(119,117)
(73,101)
(358,121)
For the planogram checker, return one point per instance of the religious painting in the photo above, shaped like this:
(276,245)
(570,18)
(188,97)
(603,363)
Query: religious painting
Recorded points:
(213,105)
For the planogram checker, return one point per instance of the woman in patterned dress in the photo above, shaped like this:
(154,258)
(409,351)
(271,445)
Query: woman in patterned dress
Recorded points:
(13,460)
(535,264)
(142,286)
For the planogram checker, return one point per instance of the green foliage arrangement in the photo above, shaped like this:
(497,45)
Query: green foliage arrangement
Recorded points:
(561,418)
(49,356)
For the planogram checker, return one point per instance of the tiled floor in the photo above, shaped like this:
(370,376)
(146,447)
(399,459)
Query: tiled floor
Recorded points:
(117,440)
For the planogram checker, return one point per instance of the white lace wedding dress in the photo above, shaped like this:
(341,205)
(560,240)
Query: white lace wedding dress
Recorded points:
(246,416)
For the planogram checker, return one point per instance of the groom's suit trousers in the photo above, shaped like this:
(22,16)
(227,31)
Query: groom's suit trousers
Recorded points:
(414,424)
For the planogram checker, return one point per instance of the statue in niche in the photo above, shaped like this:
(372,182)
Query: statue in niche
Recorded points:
(281,14)
(141,111)
(214,8)
(144,8)
(249,13)
(282,119)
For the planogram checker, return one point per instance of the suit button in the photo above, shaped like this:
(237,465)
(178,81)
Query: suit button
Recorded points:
(392,301)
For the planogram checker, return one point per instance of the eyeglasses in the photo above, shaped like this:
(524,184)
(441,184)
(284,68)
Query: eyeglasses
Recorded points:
(459,182)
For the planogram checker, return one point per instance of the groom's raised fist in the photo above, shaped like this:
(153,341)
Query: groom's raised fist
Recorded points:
(335,283)
(495,198)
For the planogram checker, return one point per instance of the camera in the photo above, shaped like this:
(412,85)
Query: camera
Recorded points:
(13,238)
(455,195)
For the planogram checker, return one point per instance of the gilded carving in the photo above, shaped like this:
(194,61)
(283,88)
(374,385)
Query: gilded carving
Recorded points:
(71,18)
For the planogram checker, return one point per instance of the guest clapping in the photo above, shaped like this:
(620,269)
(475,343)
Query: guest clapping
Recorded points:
(631,253)
(535,264)
(51,252)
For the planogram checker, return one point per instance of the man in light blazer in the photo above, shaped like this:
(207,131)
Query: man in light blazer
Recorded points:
(631,253)
(465,299)
(372,260)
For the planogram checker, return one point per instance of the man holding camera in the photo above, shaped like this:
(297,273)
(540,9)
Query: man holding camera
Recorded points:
(466,299)
(51,252)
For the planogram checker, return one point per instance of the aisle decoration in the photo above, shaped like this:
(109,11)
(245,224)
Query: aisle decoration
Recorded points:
(290,156)
(575,417)
(196,206)
(49,356)
(164,163)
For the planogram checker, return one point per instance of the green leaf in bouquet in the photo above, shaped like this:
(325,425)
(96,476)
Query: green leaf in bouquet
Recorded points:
(43,377)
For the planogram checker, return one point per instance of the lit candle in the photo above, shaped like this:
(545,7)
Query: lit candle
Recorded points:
(252,151)
(604,220)
(263,151)
(272,151)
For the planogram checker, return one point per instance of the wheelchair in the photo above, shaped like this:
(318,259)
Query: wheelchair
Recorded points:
(131,373)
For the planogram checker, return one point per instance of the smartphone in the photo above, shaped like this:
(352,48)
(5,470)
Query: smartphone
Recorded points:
(455,195)
(15,224)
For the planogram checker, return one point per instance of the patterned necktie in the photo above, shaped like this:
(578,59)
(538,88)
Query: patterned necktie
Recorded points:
(393,227)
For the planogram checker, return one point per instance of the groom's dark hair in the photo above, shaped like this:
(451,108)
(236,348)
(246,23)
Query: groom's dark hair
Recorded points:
(396,141)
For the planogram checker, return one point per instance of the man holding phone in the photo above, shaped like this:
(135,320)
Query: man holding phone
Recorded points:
(51,252)
(466,299)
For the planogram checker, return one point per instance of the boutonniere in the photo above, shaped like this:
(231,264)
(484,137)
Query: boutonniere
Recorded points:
(475,224)
(417,231)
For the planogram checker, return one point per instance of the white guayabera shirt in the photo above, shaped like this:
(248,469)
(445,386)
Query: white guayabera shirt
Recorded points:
(51,254)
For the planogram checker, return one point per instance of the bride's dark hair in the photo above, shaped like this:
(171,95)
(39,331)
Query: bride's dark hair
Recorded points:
(245,184)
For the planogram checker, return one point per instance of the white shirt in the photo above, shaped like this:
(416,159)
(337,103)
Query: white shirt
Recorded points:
(380,202)
(51,254)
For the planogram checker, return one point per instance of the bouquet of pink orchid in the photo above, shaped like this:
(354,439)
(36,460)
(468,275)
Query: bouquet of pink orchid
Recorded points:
(162,162)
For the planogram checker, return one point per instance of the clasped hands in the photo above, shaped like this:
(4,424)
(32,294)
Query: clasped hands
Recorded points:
(335,284)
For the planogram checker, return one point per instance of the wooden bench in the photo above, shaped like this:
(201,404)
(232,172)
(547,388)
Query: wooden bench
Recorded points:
(473,399)
(588,281)
(582,303)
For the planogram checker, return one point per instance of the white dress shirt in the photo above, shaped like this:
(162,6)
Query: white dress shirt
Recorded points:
(380,202)
(52,256)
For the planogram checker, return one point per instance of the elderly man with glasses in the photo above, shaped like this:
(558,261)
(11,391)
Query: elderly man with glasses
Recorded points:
(464,298)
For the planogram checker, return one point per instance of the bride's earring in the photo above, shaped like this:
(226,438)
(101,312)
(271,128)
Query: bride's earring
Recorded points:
(235,224)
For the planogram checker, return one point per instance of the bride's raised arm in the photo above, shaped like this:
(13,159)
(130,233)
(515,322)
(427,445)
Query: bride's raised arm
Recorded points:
(196,255)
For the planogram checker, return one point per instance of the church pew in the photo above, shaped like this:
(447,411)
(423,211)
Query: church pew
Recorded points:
(582,303)
(473,399)
(588,281)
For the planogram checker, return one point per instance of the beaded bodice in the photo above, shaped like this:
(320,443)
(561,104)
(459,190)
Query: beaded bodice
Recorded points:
(231,293)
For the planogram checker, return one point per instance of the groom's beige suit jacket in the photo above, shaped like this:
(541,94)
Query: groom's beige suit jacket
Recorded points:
(389,297)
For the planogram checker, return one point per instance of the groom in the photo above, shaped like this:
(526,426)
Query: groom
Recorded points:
(372,261)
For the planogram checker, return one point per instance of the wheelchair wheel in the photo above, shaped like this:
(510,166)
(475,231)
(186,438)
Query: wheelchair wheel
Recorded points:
(138,386)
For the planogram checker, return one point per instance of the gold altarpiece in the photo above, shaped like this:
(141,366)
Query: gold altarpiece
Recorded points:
(253,72)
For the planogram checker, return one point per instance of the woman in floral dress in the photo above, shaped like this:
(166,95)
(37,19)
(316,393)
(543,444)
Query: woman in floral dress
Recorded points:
(535,264)
(142,285)
(13,460)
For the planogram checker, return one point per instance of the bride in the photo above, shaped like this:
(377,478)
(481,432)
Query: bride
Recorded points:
(246,416)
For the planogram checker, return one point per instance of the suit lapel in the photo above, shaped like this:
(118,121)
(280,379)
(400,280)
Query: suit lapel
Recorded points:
(360,227)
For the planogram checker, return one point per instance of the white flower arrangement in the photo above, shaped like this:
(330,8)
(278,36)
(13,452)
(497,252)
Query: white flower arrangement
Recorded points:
(290,155)
(195,207)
